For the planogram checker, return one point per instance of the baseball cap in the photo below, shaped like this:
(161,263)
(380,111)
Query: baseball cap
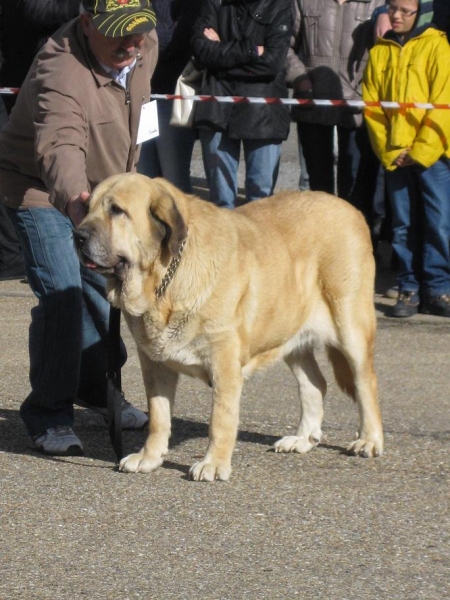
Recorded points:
(118,18)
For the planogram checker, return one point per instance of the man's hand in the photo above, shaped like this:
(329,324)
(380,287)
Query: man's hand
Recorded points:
(76,208)
(382,24)
(303,87)
(211,34)
(404,160)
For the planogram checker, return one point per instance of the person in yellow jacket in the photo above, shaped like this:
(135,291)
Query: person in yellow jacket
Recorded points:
(411,64)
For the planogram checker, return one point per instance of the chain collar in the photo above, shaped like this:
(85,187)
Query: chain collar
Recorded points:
(169,275)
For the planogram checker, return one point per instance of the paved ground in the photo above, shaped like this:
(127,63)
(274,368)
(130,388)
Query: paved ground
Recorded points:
(323,525)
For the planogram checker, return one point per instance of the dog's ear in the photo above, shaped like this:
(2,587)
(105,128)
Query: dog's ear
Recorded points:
(165,210)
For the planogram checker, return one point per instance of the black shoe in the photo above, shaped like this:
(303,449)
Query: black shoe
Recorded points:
(407,305)
(436,305)
(12,273)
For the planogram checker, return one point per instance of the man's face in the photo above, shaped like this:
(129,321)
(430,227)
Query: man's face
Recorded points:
(115,53)
(403,14)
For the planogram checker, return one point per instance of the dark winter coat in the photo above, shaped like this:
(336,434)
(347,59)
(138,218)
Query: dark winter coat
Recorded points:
(174,22)
(233,67)
(25,26)
(442,15)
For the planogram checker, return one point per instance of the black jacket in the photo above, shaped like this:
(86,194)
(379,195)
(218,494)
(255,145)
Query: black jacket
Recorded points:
(24,26)
(233,67)
(174,22)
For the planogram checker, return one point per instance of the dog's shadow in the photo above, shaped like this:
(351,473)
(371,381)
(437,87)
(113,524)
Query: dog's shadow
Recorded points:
(97,445)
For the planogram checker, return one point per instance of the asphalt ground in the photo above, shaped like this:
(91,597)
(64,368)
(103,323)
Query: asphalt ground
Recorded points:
(321,525)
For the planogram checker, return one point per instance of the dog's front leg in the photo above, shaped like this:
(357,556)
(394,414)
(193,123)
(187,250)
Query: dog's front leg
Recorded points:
(160,384)
(227,388)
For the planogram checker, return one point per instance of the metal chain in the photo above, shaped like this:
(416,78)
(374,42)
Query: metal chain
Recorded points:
(173,265)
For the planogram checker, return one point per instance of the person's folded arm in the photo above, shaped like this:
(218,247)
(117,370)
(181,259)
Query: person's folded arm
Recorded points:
(240,58)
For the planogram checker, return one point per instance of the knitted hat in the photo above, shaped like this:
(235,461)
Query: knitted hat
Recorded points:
(119,18)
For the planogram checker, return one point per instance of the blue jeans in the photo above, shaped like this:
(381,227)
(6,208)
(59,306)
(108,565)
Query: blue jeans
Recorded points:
(69,325)
(221,161)
(169,155)
(420,205)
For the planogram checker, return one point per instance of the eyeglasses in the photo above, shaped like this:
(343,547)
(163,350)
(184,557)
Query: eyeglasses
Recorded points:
(403,11)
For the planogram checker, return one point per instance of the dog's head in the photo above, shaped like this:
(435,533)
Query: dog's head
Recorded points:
(133,222)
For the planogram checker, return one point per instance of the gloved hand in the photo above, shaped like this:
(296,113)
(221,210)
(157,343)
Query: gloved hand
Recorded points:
(303,87)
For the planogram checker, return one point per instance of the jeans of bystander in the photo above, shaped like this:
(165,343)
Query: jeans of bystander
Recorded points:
(221,161)
(420,208)
(169,155)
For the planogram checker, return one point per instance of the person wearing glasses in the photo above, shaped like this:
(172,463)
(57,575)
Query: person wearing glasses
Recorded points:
(382,23)
(411,63)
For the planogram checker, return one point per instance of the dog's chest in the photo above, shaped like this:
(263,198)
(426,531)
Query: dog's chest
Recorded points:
(173,341)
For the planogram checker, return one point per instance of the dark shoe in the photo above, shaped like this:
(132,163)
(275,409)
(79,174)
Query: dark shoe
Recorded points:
(12,273)
(58,441)
(132,417)
(407,305)
(436,305)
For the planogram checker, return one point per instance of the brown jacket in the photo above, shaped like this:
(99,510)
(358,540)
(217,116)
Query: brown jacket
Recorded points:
(71,126)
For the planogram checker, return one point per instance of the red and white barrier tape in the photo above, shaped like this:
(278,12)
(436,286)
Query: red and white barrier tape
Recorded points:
(288,101)
(8,90)
(299,101)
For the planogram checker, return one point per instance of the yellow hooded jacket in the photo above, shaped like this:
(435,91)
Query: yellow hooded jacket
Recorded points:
(419,72)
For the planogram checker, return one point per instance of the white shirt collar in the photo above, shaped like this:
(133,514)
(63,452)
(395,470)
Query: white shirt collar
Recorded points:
(119,76)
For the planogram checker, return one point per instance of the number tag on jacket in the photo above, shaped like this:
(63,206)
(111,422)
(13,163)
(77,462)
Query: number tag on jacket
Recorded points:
(148,123)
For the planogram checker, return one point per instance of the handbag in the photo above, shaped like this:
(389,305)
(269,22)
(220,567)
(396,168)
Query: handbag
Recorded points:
(189,83)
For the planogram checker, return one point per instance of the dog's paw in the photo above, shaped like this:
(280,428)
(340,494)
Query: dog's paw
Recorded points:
(208,470)
(139,463)
(299,444)
(366,448)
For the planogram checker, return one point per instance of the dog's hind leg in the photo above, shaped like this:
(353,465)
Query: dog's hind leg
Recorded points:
(355,374)
(311,388)
(160,385)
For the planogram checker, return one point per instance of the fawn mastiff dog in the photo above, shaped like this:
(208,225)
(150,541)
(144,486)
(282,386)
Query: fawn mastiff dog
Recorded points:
(217,293)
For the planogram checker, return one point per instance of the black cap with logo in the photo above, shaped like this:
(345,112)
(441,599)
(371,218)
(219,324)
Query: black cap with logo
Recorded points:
(119,18)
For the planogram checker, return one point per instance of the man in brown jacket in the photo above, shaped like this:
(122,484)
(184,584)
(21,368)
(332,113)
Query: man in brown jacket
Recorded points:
(75,123)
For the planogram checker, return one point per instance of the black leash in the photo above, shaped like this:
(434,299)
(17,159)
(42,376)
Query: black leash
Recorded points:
(114,383)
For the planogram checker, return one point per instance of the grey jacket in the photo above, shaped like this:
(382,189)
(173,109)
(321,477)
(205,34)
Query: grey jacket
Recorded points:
(330,44)
(72,125)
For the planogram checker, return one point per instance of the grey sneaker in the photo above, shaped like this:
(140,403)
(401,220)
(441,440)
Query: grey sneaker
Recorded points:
(132,417)
(58,441)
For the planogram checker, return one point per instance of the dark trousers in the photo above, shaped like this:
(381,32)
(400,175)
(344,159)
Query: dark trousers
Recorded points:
(353,173)
(10,252)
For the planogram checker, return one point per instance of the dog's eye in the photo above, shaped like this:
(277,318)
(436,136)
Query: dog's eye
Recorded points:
(116,210)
